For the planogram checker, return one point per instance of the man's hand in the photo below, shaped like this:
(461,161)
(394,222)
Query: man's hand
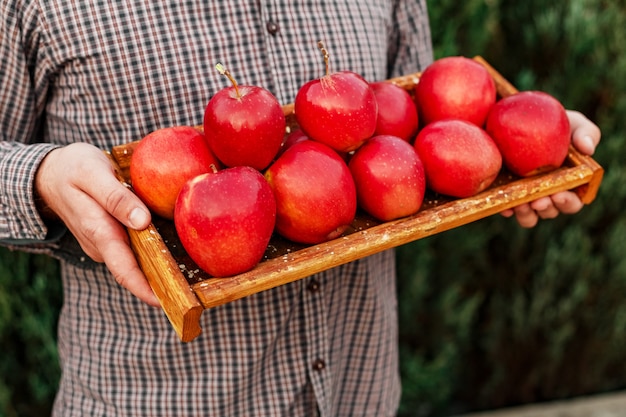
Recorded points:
(585,138)
(78,184)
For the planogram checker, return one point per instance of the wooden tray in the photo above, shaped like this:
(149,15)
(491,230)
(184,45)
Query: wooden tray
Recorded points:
(185,291)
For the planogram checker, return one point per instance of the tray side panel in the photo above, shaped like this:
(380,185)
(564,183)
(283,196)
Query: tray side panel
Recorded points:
(164,276)
(293,266)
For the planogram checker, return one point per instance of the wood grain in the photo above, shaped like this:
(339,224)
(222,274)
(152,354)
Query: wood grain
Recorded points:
(305,262)
(164,276)
(183,299)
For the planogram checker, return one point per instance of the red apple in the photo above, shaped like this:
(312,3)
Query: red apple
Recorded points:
(397,113)
(460,159)
(532,130)
(225,220)
(244,125)
(455,87)
(339,109)
(389,177)
(295,136)
(315,193)
(163,161)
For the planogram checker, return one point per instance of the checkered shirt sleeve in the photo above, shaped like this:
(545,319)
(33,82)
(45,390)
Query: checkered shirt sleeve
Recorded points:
(21,105)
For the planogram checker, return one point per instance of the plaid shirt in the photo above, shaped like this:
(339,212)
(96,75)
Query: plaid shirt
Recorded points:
(109,72)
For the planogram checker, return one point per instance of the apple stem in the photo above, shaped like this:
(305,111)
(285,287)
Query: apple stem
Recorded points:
(213,168)
(224,71)
(322,48)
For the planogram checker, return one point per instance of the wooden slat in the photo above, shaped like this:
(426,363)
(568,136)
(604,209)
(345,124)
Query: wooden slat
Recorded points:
(183,301)
(293,266)
(164,276)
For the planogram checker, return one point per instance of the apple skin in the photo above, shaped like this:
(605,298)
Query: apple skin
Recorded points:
(163,161)
(298,135)
(295,136)
(315,193)
(532,130)
(455,87)
(397,112)
(246,129)
(389,177)
(460,158)
(225,220)
(339,110)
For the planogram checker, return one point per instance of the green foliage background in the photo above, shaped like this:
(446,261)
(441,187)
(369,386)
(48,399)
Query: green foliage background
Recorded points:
(30,299)
(491,314)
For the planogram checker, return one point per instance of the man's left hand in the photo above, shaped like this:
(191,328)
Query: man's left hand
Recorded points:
(585,138)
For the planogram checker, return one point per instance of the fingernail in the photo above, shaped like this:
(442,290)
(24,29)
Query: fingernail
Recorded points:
(589,143)
(138,218)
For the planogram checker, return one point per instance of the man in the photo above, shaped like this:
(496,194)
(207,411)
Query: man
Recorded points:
(79,77)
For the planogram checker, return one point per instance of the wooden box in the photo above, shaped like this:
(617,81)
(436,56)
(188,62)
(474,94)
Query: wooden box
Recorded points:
(185,291)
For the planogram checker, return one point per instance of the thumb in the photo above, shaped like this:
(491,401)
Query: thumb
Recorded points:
(116,198)
(585,134)
(124,205)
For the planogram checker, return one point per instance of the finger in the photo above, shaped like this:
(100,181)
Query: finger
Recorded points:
(545,208)
(114,197)
(586,135)
(567,202)
(526,216)
(507,213)
(541,204)
(95,230)
(105,240)
(120,260)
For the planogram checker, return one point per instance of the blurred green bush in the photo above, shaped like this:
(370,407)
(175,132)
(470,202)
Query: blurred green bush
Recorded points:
(491,314)
(495,315)
(30,299)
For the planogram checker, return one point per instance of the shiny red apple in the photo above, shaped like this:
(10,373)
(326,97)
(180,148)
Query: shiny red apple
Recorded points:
(460,158)
(389,177)
(163,161)
(455,87)
(294,136)
(532,130)
(397,112)
(338,109)
(225,220)
(244,125)
(315,193)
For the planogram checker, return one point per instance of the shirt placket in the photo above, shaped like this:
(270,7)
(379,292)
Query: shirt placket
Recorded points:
(275,35)
(317,342)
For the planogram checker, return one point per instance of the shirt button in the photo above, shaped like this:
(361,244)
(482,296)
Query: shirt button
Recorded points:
(319,365)
(272,28)
(313,286)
